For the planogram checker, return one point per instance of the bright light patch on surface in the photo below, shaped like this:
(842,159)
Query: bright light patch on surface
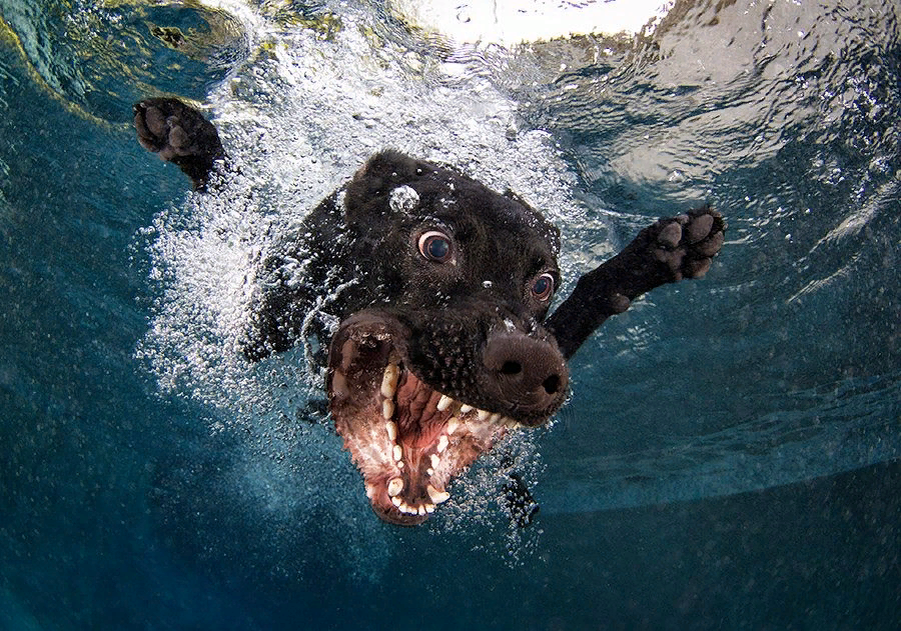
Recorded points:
(511,22)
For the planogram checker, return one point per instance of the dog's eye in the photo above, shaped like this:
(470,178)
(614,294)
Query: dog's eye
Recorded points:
(435,246)
(543,286)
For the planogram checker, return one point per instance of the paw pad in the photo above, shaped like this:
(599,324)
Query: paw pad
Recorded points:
(687,243)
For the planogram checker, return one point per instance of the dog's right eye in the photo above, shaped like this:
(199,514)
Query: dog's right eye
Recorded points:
(543,287)
(436,246)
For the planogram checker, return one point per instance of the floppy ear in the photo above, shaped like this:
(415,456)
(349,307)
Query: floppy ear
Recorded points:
(665,252)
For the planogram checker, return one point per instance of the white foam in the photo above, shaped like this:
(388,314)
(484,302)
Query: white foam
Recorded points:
(298,121)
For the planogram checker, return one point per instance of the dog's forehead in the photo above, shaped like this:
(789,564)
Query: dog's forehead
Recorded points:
(393,185)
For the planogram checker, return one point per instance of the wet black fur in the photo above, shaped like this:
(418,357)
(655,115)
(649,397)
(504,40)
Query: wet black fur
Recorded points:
(450,309)
(358,251)
(354,251)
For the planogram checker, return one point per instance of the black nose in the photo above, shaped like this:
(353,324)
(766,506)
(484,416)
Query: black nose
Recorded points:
(528,375)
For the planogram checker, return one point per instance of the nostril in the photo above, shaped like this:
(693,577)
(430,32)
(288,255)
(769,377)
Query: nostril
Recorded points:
(522,373)
(511,368)
(552,384)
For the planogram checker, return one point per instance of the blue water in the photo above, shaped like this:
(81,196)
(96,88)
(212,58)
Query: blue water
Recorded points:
(731,454)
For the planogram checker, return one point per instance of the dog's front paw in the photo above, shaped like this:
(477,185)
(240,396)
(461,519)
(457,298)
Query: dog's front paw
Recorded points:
(180,134)
(172,129)
(687,243)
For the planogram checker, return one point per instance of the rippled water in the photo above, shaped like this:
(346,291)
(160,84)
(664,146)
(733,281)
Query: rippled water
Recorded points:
(729,457)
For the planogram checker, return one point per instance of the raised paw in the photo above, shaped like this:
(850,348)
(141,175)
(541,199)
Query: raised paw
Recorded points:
(179,134)
(665,252)
(687,243)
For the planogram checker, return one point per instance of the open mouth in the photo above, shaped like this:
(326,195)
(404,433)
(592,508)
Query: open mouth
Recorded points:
(407,439)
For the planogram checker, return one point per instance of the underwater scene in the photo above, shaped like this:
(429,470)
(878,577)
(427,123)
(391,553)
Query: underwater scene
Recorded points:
(729,452)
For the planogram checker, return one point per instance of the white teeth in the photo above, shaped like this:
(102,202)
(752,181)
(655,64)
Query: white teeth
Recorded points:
(395,486)
(494,418)
(437,496)
(389,381)
(444,403)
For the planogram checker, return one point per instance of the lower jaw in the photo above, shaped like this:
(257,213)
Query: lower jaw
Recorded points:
(409,482)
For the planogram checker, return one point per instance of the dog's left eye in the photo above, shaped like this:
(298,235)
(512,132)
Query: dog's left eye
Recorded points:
(436,246)
(543,286)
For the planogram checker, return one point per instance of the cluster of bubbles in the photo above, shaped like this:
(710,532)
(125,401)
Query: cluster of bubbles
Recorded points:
(298,118)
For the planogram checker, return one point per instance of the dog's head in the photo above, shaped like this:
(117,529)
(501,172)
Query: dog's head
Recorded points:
(451,353)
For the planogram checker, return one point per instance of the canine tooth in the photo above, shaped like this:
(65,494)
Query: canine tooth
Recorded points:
(421,509)
(387,409)
(466,408)
(389,381)
(452,425)
(437,496)
(442,443)
(483,414)
(509,422)
(435,460)
(430,508)
(395,486)
(398,452)
(494,418)
(396,501)
(391,428)
(444,403)
(339,385)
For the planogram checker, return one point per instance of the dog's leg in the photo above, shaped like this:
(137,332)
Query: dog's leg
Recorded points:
(179,134)
(665,252)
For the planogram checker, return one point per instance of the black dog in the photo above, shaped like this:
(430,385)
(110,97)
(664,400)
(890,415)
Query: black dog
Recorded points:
(439,290)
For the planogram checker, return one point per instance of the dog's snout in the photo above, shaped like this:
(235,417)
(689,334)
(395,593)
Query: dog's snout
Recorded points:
(527,374)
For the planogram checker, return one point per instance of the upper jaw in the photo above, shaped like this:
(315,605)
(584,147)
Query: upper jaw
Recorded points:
(407,439)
